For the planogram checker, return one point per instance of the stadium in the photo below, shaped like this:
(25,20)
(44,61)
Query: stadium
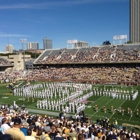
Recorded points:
(88,89)
(97,85)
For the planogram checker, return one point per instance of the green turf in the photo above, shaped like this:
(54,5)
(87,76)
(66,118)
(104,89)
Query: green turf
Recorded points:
(108,102)
(92,101)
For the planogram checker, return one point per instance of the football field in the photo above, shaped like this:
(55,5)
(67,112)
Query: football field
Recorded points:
(108,102)
(6,97)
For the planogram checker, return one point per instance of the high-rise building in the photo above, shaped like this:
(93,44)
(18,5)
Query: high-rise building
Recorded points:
(9,48)
(135,20)
(77,44)
(32,45)
(47,43)
(81,44)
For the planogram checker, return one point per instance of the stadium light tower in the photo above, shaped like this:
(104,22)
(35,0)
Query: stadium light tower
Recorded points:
(23,41)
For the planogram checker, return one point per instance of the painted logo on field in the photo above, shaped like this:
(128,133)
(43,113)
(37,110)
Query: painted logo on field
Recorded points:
(88,106)
(4,97)
(7,94)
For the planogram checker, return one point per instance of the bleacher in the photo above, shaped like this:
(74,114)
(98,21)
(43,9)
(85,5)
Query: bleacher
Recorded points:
(4,62)
(103,54)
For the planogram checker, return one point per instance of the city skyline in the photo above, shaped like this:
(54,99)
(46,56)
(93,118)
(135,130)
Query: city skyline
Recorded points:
(93,21)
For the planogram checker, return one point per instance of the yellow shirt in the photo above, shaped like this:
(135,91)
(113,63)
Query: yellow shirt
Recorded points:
(45,135)
(66,130)
(15,133)
(33,133)
(99,134)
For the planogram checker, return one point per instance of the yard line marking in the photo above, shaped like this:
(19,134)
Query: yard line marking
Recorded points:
(96,100)
(136,106)
(134,110)
(119,106)
(101,107)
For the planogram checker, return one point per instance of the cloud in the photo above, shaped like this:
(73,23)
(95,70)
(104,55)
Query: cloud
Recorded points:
(13,35)
(49,5)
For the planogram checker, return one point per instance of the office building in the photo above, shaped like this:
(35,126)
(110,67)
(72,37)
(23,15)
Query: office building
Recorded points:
(77,44)
(32,45)
(81,44)
(9,48)
(135,21)
(47,43)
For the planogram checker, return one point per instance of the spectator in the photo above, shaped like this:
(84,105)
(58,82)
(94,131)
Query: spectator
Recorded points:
(4,125)
(47,130)
(53,132)
(15,131)
(5,136)
(58,137)
(81,137)
(38,135)
(24,128)
(29,137)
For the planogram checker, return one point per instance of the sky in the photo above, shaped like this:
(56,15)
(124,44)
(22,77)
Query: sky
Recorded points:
(92,21)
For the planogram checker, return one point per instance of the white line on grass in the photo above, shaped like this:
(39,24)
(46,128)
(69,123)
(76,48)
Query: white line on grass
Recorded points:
(101,107)
(136,106)
(119,106)
(96,100)
(135,109)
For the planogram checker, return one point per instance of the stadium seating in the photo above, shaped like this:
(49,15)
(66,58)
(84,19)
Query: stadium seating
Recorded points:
(103,54)
(4,62)
(92,74)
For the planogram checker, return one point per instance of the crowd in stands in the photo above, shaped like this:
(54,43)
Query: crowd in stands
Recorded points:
(100,74)
(11,76)
(93,55)
(4,62)
(23,126)
(109,74)
(52,58)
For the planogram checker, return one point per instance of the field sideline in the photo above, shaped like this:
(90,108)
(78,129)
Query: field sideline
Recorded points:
(6,97)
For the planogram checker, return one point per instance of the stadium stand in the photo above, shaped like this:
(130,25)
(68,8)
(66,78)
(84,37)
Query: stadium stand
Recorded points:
(98,65)
(118,64)
(4,64)
(104,75)
(104,54)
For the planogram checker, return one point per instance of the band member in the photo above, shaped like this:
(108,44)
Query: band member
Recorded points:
(112,107)
(23,98)
(122,111)
(28,99)
(128,110)
(104,109)
(96,108)
(113,110)
(131,112)
(32,99)
(137,111)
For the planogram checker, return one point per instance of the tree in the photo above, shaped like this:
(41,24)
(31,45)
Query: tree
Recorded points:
(129,42)
(33,54)
(106,43)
